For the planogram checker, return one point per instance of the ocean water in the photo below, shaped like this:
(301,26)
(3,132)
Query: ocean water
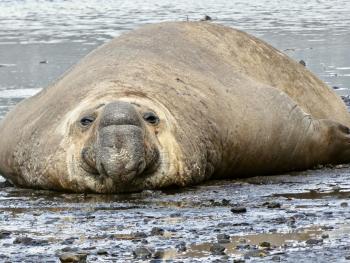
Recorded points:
(40,39)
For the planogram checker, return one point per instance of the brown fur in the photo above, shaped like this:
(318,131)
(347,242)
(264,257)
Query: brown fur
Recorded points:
(230,105)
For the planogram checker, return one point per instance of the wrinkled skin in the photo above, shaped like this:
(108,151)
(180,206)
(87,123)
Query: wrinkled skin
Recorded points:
(173,104)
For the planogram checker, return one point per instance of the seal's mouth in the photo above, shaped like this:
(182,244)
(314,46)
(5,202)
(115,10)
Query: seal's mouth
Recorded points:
(122,161)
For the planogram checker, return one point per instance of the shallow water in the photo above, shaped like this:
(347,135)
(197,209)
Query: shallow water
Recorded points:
(41,39)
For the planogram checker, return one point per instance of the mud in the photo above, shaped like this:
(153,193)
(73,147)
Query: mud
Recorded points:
(297,217)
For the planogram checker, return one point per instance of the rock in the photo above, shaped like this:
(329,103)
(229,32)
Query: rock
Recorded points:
(238,209)
(159,254)
(335,87)
(102,252)
(272,205)
(302,62)
(225,202)
(206,18)
(217,249)
(181,247)
(344,204)
(139,235)
(5,184)
(347,257)
(324,236)
(238,260)
(157,231)
(265,244)
(43,62)
(276,258)
(223,238)
(5,234)
(73,258)
(177,214)
(142,253)
(28,241)
(313,241)
(255,254)
(68,241)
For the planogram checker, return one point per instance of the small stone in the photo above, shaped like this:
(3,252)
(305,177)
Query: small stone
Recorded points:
(217,249)
(142,253)
(302,62)
(28,241)
(225,202)
(347,257)
(206,18)
(159,254)
(43,62)
(4,234)
(335,87)
(101,252)
(73,258)
(5,184)
(324,236)
(344,204)
(254,254)
(181,247)
(139,235)
(276,258)
(238,260)
(157,231)
(223,238)
(68,241)
(238,209)
(313,241)
(175,215)
(265,244)
(272,205)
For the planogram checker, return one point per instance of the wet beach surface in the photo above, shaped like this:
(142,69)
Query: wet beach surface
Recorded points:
(297,217)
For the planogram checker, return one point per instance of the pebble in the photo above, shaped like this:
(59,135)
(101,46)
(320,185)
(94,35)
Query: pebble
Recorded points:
(4,234)
(181,247)
(223,238)
(238,209)
(206,18)
(254,254)
(347,257)
(139,235)
(276,258)
(28,241)
(217,249)
(302,62)
(73,258)
(272,205)
(142,253)
(313,241)
(265,244)
(157,231)
(159,254)
(344,204)
(102,252)
(324,236)
(239,260)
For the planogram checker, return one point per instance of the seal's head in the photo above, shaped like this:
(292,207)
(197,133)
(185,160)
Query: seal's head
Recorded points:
(119,145)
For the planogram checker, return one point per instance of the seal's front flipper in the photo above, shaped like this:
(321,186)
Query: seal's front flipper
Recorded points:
(338,139)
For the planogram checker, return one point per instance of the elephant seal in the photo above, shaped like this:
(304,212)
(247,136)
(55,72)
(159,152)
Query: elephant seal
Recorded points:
(173,104)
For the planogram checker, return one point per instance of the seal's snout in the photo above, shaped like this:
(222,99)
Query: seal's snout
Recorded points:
(121,148)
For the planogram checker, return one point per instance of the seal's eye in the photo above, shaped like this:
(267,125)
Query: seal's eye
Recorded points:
(86,121)
(151,118)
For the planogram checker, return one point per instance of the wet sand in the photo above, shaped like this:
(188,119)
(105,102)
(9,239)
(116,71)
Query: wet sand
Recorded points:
(298,217)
